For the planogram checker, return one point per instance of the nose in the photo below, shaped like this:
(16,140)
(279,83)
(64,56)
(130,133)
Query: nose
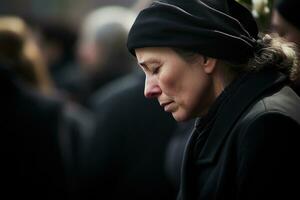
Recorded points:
(152,89)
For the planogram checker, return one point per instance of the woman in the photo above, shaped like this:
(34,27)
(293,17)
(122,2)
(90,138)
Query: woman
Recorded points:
(19,49)
(205,60)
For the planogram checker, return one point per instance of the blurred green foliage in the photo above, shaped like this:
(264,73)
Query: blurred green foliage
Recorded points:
(261,10)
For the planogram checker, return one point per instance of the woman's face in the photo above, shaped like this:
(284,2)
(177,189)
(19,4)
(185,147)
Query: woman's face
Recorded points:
(182,87)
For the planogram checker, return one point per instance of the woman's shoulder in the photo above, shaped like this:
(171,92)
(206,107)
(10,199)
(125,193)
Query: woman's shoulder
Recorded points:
(275,114)
(285,103)
(273,117)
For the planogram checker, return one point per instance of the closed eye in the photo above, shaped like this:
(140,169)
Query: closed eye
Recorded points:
(151,66)
(156,70)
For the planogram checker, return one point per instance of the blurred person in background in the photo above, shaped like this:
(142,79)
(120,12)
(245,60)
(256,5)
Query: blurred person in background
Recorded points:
(57,42)
(126,154)
(19,46)
(286,22)
(40,131)
(101,50)
(32,165)
(141,4)
(125,158)
(175,151)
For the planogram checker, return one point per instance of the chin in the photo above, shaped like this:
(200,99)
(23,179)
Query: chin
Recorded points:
(181,117)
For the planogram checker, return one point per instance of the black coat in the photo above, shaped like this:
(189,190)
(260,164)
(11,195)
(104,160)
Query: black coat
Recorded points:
(251,149)
(125,158)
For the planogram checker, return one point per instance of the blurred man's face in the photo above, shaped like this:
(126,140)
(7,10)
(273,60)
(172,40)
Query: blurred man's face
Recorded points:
(90,55)
(285,29)
(288,31)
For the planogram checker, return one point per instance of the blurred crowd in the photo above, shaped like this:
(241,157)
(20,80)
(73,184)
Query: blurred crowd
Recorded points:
(74,120)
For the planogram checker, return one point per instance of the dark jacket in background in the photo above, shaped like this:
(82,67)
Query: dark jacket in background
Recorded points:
(126,155)
(175,151)
(31,161)
(249,146)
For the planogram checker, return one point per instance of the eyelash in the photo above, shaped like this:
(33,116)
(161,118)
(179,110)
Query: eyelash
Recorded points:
(156,70)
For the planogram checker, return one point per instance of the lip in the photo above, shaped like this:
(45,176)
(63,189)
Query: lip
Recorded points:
(166,105)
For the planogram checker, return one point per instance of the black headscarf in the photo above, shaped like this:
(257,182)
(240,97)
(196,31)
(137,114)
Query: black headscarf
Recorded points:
(289,10)
(222,29)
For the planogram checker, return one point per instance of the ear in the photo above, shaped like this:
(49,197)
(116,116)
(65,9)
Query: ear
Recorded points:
(209,64)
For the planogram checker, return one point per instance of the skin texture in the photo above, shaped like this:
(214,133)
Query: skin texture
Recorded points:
(185,88)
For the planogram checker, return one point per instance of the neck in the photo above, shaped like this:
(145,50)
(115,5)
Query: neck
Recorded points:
(221,79)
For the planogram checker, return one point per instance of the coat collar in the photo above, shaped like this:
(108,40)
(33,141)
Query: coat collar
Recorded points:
(244,95)
(246,92)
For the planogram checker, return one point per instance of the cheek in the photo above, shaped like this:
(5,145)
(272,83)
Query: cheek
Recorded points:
(191,101)
(196,95)
(170,82)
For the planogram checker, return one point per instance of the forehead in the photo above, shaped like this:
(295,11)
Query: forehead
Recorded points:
(144,54)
